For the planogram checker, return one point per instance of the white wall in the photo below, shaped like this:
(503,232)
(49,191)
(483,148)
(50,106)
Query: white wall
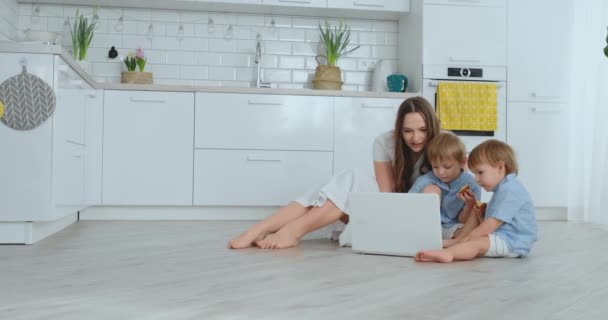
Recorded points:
(207,57)
(8,19)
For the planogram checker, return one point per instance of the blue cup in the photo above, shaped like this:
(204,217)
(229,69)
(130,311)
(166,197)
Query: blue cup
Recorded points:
(396,83)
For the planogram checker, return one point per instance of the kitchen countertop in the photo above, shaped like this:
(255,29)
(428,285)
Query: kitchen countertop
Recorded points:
(16,47)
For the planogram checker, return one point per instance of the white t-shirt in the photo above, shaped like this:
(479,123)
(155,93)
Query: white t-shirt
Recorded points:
(384,151)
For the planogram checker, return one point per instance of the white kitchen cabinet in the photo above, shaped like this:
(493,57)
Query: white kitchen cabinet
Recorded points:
(147,148)
(93,146)
(25,181)
(384,5)
(358,121)
(538,133)
(297,3)
(264,122)
(465,33)
(257,178)
(231,1)
(539,57)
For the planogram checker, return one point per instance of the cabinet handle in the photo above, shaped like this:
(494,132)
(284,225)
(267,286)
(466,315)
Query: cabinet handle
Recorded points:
(367,4)
(160,100)
(91,95)
(535,95)
(263,103)
(375,106)
(262,159)
(296,1)
(464,60)
(544,110)
(76,155)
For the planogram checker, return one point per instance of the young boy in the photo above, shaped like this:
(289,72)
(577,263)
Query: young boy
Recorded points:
(509,227)
(448,158)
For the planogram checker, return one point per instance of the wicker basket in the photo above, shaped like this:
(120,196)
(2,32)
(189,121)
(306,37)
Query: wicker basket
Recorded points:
(136,77)
(327,78)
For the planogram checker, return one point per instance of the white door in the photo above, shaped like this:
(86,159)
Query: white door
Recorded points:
(539,135)
(93,146)
(148,148)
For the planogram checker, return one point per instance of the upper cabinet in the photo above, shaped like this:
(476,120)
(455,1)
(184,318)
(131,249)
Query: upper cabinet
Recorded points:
(458,32)
(298,3)
(391,5)
(363,9)
(539,57)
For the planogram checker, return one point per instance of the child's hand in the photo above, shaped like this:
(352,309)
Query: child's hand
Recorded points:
(466,195)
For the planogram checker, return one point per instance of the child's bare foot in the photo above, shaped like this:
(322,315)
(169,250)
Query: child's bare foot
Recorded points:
(246,239)
(279,240)
(449,242)
(442,256)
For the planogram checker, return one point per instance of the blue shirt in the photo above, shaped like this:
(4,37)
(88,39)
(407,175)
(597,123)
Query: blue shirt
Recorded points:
(450,204)
(512,205)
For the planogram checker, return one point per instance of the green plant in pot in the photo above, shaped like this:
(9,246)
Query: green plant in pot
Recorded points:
(335,42)
(82,35)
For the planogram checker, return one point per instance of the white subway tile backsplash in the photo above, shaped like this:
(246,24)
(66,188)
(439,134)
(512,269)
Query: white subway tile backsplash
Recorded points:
(236,60)
(276,47)
(217,54)
(222,45)
(193,72)
(250,20)
(305,48)
(277,75)
(384,52)
(291,62)
(291,35)
(222,73)
(164,71)
(246,74)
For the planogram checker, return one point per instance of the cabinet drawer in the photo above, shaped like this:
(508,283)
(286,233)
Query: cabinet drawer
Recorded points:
(270,122)
(385,5)
(464,35)
(265,178)
(298,3)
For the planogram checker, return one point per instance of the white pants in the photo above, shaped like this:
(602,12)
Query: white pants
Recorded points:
(337,190)
(448,233)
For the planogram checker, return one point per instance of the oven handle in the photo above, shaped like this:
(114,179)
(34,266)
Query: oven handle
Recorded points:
(435,83)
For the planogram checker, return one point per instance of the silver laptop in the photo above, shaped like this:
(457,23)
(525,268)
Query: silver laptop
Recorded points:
(398,224)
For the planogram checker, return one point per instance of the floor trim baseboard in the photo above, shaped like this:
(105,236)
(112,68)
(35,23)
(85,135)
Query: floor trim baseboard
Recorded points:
(30,232)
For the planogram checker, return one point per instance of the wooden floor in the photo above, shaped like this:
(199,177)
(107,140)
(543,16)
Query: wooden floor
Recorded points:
(182,270)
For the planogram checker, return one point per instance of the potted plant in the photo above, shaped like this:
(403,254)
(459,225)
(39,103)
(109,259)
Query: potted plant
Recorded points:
(82,35)
(134,61)
(335,42)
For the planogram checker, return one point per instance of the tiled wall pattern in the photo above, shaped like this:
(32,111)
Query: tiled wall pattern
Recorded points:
(8,19)
(218,49)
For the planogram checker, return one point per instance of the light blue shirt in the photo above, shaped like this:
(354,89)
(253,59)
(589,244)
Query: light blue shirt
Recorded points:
(512,205)
(451,205)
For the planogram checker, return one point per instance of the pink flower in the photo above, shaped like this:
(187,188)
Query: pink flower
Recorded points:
(139,53)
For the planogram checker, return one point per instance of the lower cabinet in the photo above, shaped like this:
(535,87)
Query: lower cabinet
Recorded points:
(148,148)
(249,177)
(358,122)
(539,135)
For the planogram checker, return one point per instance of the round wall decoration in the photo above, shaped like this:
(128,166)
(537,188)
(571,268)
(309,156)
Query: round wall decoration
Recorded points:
(28,101)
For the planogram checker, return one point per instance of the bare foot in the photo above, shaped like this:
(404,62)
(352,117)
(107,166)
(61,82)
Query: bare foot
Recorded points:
(279,240)
(449,242)
(442,256)
(246,239)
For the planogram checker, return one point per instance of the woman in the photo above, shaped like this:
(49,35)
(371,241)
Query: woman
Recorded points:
(398,160)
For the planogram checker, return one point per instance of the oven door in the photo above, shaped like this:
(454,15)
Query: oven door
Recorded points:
(472,138)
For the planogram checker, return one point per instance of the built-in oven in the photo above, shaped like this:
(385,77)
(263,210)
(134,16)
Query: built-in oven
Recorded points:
(433,75)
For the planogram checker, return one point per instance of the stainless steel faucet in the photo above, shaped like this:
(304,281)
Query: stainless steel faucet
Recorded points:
(258,59)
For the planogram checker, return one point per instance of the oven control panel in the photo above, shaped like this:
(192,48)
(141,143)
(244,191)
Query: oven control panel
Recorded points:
(465,72)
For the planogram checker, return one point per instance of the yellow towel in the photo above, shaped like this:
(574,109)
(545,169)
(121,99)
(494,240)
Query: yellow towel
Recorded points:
(467,106)
(1,109)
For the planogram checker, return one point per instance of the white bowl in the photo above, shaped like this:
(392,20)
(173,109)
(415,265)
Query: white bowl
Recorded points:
(44,36)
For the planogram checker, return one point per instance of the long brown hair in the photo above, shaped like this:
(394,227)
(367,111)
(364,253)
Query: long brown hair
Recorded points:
(403,168)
